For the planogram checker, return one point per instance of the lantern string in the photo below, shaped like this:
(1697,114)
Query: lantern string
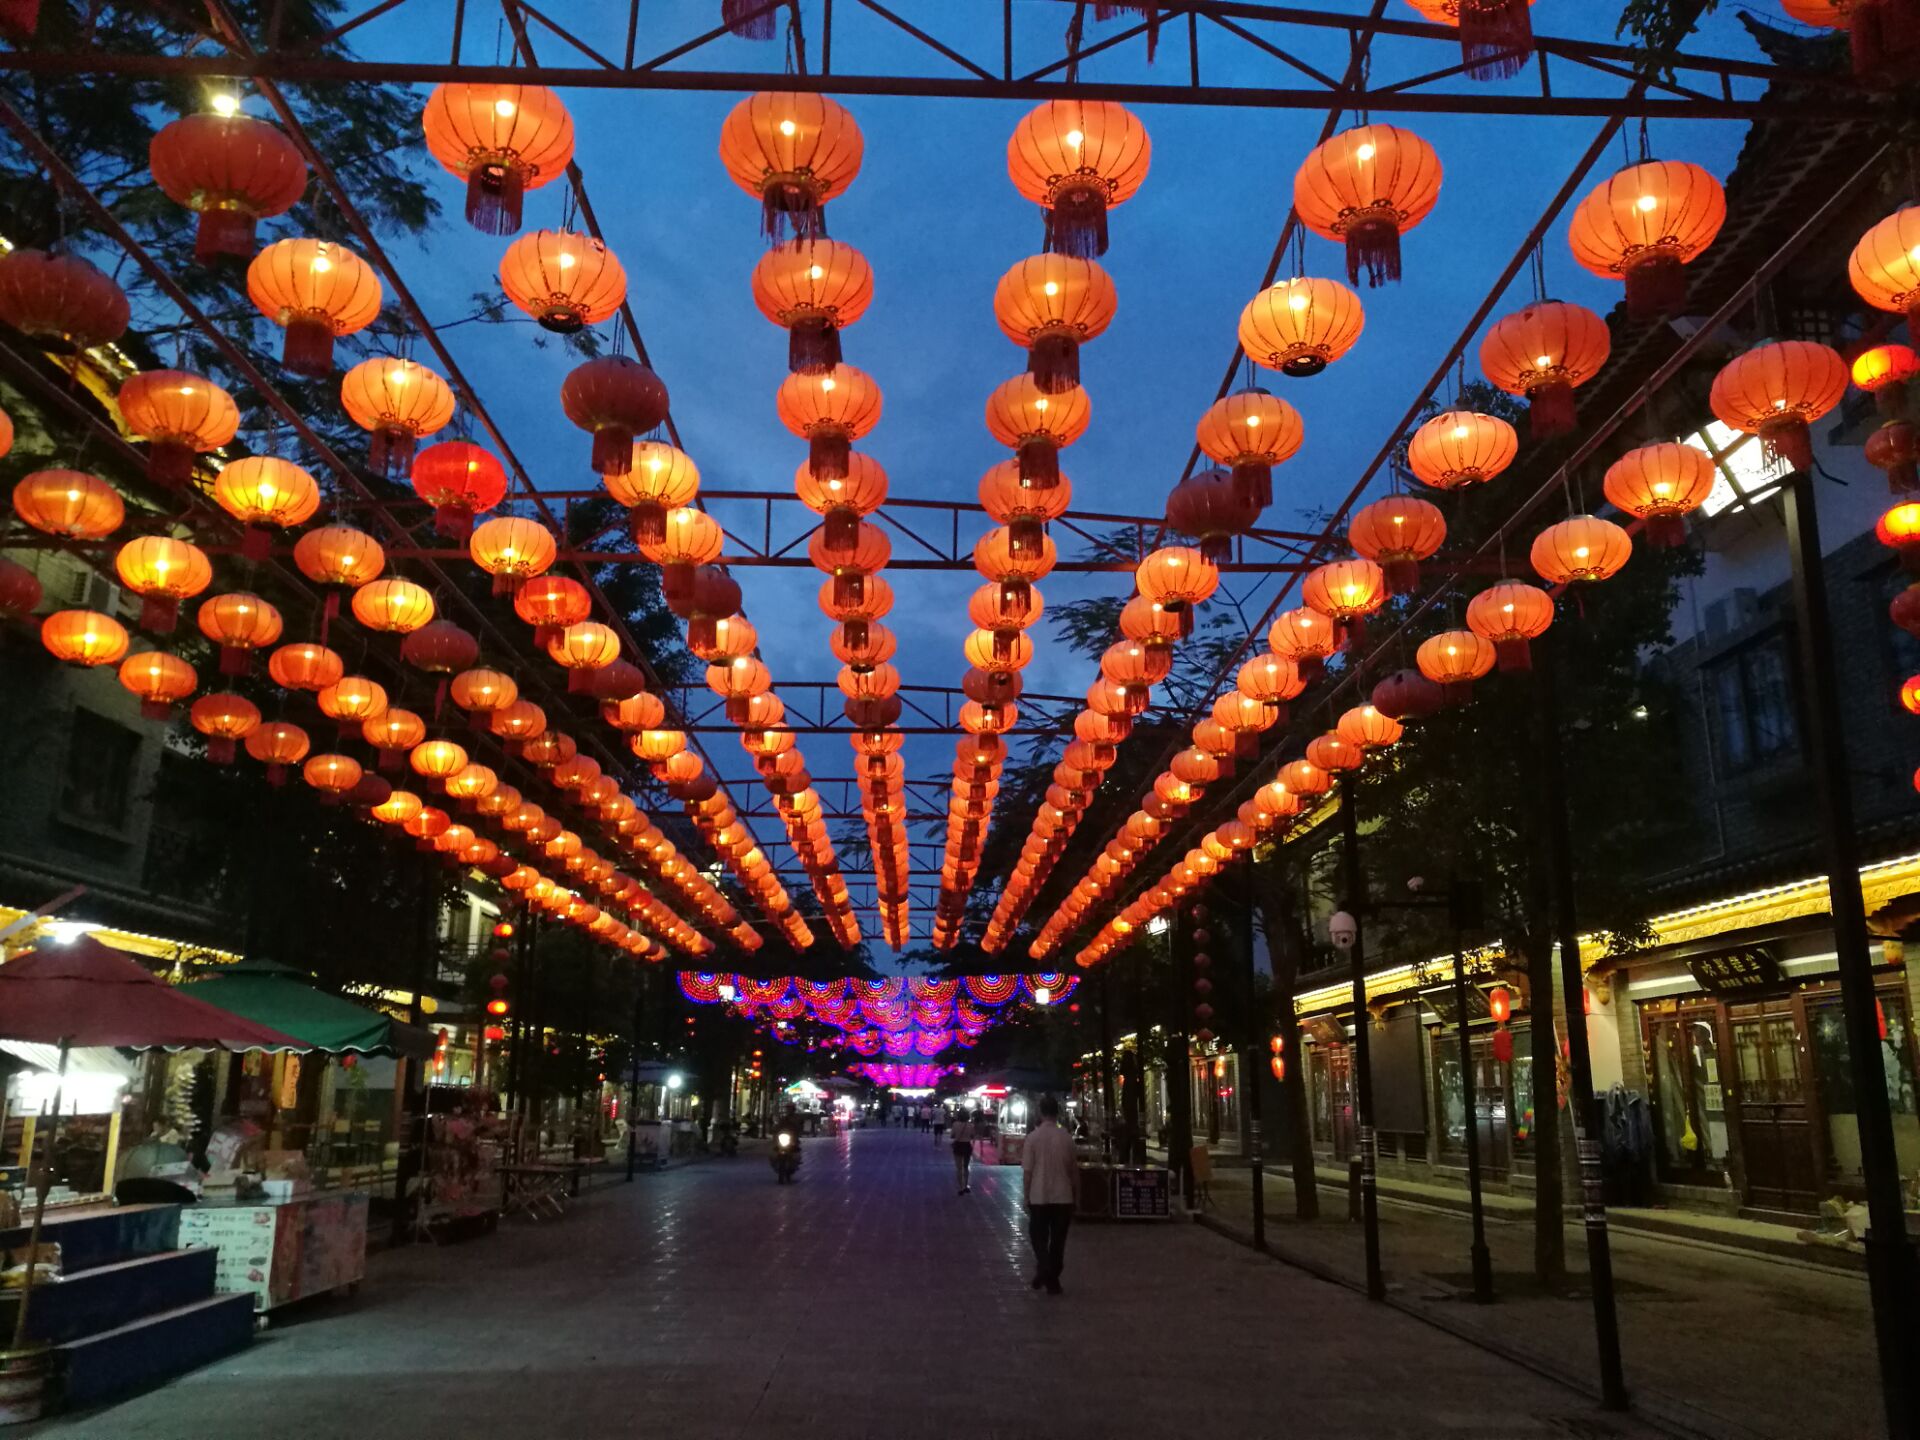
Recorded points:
(1539,266)
(1646,145)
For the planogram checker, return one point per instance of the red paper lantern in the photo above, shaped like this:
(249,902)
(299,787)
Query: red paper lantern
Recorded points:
(564,280)
(316,290)
(180,416)
(793,152)
(1078,159)
(460,480)
(61,302)
(614,398)
(1543,352)
(503,140)
(1366,187)
(230,170)
(397,402)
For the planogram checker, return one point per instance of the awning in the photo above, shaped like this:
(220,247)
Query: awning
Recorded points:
(278,998)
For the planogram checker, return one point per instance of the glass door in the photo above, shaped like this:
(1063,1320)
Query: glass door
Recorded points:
(1689,1096)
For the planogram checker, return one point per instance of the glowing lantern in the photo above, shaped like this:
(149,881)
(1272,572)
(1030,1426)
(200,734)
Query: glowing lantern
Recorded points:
(1078,159)
(261,492)
(393,732)
(521,721)
(397,402)
(1645,224)
(471,784)
(1661,484)
(813,288)
(1510,615)
(317,290)
(1345,591)
(437,760)
(1500,1004)
(1333,754)
(1272,680)
(1775,391)
(1885,266)
(1212,509)
(162,571)
(1305,636)
(829,411)
(658,477)
(1023,417)
(223,719)
(1884,372)
(351,701)
(690,539)
(1407,695)
(230,170)
(1496,36)
(1453,660)
(61,302)
(1461,447)
(277,744)
(583,648)
(1543,352)
(1051,304)
(1899,530)
(503,140)
(1398,533)
(1370,729)
(550,603)
(440,647)
(158,680)
(460,480)
(239,623)
(793,152)
(737,682)
(842,500)
(332,775)
(180,416)
(1301,326)
(338,556)
(483,693)
(305,666)
(70,504)
(1251,431)
(512,550)
(393,606)
(1177,578)
(564,280)
(1367,187)
(1582,547)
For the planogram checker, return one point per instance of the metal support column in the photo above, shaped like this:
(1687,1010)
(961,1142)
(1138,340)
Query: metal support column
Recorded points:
(1353,889)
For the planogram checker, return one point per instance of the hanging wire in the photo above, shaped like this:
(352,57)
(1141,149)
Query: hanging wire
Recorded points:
(1646,146)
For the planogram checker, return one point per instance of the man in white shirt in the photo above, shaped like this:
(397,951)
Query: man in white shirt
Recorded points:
(1050,1180)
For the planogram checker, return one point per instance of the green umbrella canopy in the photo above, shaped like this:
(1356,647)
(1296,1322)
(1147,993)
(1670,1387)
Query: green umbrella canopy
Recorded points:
(277,997)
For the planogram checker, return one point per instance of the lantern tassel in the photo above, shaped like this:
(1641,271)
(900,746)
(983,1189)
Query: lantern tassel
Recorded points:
(256,544)
(390,453)
(790,209)
(222,233)
(648,524)
(276,774)
(220,750)
(749,19)
(495,193)
(612,450)
(390,762)
(159,614)
(1790,444)
(1373,245)
(1666,531)
(850,589)
(170,463)
(1550,410)
(1253,484)
(1217,548)
(1513,656)
(1026,536)
(703,633)
(1054,363)
(1039,462)
(813,346)
(453,521)
(309,346)
(841,537)
(1402,575)
(155,710)
(828,453)
(1496,37)
(1656,286)
(234,660)
(854,632)
(1077,221)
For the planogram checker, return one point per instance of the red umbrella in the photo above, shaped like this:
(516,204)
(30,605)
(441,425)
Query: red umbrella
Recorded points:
(85,993)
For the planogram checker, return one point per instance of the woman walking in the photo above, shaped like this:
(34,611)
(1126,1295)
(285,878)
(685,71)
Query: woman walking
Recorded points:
(963,1150)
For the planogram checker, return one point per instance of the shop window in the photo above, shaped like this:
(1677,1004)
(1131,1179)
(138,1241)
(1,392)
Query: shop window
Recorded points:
(1489,1099)
(97,789)
(1753,705)
(1827,1021)
(1689,1097)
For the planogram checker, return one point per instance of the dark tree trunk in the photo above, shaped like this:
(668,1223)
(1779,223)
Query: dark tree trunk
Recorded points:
(1283,944)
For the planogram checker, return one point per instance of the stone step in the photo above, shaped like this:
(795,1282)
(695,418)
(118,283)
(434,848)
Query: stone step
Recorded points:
(102,1297)
(154,1348)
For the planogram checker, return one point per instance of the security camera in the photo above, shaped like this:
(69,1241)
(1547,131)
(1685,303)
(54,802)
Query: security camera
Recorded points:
(1417,883)
(1343,930)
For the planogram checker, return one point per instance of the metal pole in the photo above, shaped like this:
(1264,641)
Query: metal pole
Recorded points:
(1106,1062)
(1482,1259)
(1585,1106)
(1250,1059)
(1889,1254)
(633,1075)
(1353,887)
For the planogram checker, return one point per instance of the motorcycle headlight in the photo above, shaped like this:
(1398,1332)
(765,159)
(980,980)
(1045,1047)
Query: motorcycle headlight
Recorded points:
(785,1141)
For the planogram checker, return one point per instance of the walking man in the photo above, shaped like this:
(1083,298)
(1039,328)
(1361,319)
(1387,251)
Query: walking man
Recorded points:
(1049,1178)
(962,1151)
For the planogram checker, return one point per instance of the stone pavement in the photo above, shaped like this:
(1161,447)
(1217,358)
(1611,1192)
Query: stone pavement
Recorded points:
(866,1300)
(1723,1341)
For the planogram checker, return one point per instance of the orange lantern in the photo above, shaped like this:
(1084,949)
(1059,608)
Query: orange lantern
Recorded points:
(1661,484)
(1301,326)
(1461,447)
(1305,636)
(1775,391)
(1543,352)
(338,556)
(1884,372)
(635,713)
(264,491)
(277,744)
(1272,680)
(1212,509)
(1510,614)
(460,480)
(842,500)
(230,170)
(239,623)
(813,288)
(523,720)
(659,478)
(1366,727)
(1453,660)
(163,572)
(503,140)
(159,680)
(1177,578)
(1496,36)
(397,402)
(550,603)
(223,719)
(1899,530)
(1367,187)
(393,732)
(1024,418)
(1051,304)
(440,647)
(1500,1004)
(351,701)
(875,644)
(565,281)
(317,290)
(332,775)
(1583,547)
(1303,778)
(1333,755)
(829,411)
(1345,591)
(582,649)
(483,693)
(512,550)
(1885,266)
(793,152)
(393,606)
(1078,159)
(1644,225)
(180,416)
(471,784)
(305,666)
(690,540)
(1251,431)
(61,302)
(614,398)
(1398,533)
(737,682)
(70,504)
(438,760)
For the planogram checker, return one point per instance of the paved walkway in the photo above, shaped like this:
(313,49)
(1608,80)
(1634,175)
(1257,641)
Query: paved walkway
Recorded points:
(867,1300)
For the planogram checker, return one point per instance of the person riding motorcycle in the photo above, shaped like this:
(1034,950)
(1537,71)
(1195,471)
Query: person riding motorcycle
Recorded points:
(786,1144)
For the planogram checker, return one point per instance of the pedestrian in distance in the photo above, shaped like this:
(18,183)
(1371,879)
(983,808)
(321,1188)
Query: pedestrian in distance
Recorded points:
(939,1123)
(1049,1180)
(963,1151)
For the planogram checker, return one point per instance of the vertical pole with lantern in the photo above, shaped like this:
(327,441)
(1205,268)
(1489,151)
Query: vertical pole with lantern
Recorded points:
(1250,1055)
(1462,901)
(1343,929)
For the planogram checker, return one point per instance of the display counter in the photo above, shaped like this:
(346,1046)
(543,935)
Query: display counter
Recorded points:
(279,1251)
